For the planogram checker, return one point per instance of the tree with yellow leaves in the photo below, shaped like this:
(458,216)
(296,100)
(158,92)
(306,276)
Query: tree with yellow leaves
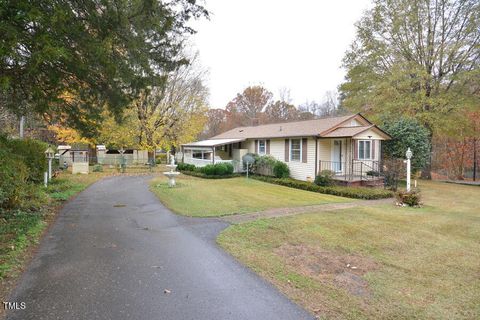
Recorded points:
(122,134)
(68,135)
(174,112)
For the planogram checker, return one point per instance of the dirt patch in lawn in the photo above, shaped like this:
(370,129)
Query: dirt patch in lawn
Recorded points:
(341,270)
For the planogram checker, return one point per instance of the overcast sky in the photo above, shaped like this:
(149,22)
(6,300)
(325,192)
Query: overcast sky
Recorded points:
(296,44)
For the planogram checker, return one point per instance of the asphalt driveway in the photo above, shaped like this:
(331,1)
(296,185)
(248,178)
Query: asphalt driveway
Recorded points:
(115,252)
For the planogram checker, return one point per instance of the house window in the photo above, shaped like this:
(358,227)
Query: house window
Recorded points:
(295,149)
(364,149)
(261,147)
(202,155)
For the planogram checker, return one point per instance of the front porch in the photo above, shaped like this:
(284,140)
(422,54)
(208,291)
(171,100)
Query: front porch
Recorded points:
(353,161)
(354,172)
(214,151)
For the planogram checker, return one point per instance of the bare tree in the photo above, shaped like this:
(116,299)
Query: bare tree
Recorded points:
(216,120)
(162,109)
(326,108)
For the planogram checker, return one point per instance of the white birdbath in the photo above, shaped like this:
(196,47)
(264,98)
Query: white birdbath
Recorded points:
(172,173)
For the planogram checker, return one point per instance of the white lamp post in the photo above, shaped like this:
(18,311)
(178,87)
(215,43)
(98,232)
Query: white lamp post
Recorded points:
(49,154)
(408,154)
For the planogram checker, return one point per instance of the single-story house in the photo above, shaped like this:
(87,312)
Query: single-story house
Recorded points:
(350,146)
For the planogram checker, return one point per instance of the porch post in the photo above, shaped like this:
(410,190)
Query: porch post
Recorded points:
(316,156)
(213,155)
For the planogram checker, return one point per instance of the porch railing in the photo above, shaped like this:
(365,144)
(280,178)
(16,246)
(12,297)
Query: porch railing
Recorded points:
(352,170)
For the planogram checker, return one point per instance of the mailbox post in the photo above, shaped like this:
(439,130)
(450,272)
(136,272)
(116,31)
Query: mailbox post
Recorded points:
(408,154)
(49,154)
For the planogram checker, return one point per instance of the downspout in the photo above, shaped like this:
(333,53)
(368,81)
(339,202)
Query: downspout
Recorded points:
(213,155)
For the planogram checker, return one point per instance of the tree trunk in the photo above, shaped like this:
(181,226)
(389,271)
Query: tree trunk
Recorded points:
(151,157)
(427,170)
(150,146)
(474,159)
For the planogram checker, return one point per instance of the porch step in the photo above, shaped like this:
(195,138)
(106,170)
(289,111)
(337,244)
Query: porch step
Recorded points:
(373,183)
(376,183)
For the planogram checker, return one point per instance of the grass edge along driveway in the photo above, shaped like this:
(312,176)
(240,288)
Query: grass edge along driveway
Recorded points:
(20,235)
(375,262)
(219,197)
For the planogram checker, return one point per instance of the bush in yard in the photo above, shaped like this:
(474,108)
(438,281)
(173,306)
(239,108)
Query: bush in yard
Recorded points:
(373,173)
(32,153)
(324,178)
(13,179)
(407,133)
(209,170)
(269,166)
(185,167)
(97,168)
(411,199)
(349,192)
(218,169)
(223,169)
(281,170)
(264,165)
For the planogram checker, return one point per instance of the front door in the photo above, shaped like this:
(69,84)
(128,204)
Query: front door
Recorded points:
(337,156)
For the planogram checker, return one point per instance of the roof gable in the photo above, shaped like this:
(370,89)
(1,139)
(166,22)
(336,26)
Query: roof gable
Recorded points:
(286,129)
(357,132)
(345,126)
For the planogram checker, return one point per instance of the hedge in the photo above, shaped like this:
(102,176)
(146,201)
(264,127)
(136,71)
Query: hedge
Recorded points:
(205,176)
(218,169)
(13,179)
(349,192)
(31,153)
(185,167)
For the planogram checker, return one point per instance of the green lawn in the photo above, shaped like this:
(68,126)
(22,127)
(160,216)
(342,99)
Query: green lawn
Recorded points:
(409,263)
(217,197)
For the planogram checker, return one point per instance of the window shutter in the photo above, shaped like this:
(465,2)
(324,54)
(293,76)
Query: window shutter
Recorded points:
(374,142)
(304,150)
(355,149)
(267,146)
(256,146)
(287,150)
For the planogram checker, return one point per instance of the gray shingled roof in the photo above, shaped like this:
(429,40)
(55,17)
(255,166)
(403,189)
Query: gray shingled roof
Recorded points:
(346,131)
(287,129)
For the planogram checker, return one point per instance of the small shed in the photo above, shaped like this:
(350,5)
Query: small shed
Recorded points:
(79,161)
(64,154)
(101,151)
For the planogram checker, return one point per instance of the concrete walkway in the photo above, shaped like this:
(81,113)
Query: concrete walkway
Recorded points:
(115,252)
(283,212)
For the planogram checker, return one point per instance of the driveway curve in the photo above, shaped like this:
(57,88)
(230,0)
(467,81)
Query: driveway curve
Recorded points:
(115,252)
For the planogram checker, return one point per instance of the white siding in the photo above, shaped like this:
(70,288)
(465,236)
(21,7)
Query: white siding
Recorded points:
(365,135)
(277,149)
(298,169)
(250,145)
(325,149)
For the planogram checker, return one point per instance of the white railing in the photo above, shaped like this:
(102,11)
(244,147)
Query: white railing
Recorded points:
(197,162)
